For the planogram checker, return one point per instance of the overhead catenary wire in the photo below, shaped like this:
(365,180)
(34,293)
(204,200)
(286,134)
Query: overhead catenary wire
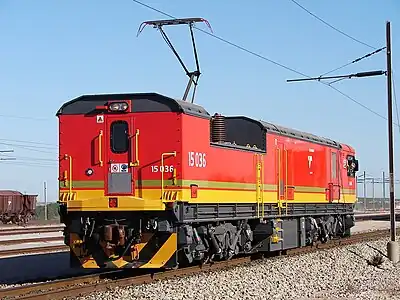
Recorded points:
(28,164)
(29,158)
(271,61)
(30,142)
(29,148)
(331,26)
(354,61)
(23,117)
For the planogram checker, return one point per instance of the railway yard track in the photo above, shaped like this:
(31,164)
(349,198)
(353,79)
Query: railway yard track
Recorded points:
(29,230)
(31,240)
(84,285)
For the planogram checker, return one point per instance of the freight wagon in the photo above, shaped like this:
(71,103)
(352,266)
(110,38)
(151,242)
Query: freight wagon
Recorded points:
(16,208)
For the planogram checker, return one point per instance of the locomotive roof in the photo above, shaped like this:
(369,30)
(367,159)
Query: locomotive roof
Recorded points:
(154,102)
(141,102)
(299,134)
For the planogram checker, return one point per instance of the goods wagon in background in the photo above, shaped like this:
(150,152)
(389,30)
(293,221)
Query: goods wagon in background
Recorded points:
(16,207)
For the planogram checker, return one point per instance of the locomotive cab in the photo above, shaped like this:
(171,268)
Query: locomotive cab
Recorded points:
(120,159)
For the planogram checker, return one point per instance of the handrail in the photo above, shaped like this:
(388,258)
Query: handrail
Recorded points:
(162,170)
(70,176)
(100,148)
(69,157)
(136,163)
(262,186)
(258,175)
(286,177)
(279,179)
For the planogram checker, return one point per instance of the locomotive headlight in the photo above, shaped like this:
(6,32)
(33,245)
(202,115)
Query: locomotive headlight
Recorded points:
(118,106)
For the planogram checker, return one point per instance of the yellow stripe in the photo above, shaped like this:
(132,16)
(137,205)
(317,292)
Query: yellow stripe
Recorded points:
(90,264)
(94,200)
(164,253)
(119,263)
(202,184)
(126,203)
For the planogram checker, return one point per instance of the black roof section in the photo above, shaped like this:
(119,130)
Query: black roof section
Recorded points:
(141,102)
(289,132)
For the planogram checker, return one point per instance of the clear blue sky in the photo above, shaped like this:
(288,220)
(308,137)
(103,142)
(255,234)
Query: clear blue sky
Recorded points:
(52,51)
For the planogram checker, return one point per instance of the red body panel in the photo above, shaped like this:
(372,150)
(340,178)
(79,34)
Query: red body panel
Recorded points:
(233,165)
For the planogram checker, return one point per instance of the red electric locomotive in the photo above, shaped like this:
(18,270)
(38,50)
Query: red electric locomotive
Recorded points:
(147,181)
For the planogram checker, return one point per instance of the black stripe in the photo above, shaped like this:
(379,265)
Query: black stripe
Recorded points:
(172,262)
(74,261)
(153,245)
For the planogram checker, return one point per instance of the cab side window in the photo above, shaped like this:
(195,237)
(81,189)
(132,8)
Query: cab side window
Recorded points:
(119,135)
(352,166)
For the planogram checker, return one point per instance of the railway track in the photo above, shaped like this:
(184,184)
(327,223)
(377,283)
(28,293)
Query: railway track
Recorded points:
(33,250)
(31,240)
(30,230)
(83,285)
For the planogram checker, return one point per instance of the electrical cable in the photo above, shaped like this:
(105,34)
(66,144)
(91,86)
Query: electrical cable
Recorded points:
(331,26)
(23,117)
(29,142)
(269,60)
(28,164)
(355,61)
(21,158)
(27,147)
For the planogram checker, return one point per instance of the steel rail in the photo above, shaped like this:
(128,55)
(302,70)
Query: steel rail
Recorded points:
(30,230)
(33,250)
(32,240)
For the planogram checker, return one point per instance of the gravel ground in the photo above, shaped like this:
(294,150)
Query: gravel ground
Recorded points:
(331,274)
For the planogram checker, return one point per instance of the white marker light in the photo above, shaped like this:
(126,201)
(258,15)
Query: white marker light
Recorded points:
(118,106)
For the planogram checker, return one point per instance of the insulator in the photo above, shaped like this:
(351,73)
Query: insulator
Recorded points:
(218,129)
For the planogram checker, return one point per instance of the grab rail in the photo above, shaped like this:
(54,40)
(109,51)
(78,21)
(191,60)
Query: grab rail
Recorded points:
(136,163)
(100,149)
(70,175)
(69,157)
(162,171)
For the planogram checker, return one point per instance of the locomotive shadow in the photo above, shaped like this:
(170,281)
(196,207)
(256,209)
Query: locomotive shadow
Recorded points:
(38,267)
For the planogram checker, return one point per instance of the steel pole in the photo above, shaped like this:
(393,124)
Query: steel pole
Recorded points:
(392,246)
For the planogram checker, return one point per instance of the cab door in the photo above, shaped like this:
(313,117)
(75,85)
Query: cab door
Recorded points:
(334,183)
(119,175)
